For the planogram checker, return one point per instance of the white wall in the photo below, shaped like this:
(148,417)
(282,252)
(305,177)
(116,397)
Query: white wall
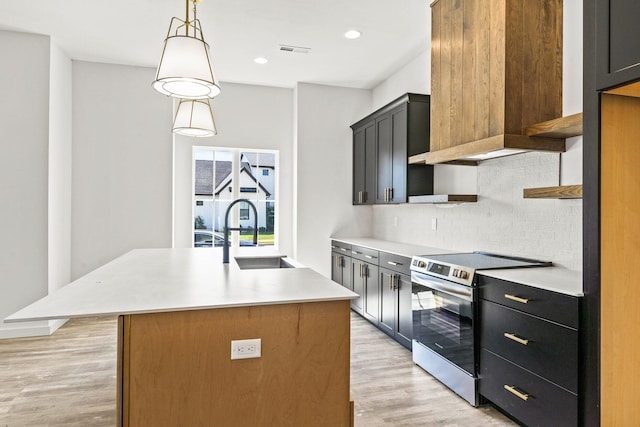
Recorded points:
(323,164)
(246,116)
(24,120)
(59,169)
(502,221)
(122,164)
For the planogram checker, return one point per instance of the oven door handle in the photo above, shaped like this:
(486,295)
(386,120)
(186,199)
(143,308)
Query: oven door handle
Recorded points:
(444,286)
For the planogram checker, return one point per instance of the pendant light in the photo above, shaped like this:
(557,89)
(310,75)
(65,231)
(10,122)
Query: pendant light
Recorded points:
(185,68)
(194,117)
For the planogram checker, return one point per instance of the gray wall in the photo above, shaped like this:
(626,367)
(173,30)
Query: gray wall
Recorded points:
(247,116)
(122,164)
(323,163)
(24,177)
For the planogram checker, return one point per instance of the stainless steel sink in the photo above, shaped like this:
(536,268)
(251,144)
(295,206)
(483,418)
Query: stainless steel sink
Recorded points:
(255,263)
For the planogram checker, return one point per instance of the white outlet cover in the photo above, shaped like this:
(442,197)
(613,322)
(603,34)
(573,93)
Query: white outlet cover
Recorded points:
(246,349)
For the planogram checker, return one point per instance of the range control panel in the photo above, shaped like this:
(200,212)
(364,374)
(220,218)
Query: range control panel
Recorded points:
(455,273)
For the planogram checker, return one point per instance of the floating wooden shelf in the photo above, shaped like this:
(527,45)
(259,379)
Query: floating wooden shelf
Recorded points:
(564,127)
(558,192)
(444,198)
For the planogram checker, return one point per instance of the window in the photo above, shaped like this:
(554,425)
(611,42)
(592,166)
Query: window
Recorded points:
(244,210)
(214,190)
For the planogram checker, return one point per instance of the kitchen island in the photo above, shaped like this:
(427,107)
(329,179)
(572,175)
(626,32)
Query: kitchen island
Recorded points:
(179,310)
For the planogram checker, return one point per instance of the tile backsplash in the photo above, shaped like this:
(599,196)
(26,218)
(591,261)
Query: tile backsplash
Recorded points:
(502,221)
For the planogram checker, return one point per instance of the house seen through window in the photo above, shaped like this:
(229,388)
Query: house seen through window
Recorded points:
(215,173)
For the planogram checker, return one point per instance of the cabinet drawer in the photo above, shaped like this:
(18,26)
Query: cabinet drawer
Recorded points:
(397,263)
(542,347)
(365,254)
(546,404)
(341,247)
(539,302)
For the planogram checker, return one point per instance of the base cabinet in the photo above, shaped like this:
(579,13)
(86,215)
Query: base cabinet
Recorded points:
(367,285)
(395,298)
(528,363)
(383,282)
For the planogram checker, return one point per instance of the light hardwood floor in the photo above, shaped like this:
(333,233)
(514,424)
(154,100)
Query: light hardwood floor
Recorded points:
(68,379)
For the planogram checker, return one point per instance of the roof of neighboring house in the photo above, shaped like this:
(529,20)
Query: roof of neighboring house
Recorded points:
(264,160)
(204,183)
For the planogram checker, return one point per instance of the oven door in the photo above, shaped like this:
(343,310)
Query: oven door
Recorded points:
(443,319)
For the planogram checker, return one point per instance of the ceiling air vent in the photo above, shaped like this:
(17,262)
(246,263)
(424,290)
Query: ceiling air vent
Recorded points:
(294,49)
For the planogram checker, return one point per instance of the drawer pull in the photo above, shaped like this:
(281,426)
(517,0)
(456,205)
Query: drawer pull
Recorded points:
(394,263)
(516,338)
(343,249)
(369,256)
(356,252)
(513,390)
(515,298)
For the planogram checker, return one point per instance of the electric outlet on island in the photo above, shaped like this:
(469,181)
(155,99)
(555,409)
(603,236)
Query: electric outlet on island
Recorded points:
(246,349)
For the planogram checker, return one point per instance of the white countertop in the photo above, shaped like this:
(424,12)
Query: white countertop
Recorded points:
(158,280)
(397,248)
(555,279)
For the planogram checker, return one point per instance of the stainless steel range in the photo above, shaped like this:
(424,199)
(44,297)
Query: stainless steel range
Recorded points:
(444,305)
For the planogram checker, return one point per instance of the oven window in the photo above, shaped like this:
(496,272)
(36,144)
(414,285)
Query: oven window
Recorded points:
(444,323)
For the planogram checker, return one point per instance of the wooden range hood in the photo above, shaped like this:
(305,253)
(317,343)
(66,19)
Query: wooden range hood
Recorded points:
(496,70)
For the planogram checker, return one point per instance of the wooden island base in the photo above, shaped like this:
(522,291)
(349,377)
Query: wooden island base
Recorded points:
(175,368)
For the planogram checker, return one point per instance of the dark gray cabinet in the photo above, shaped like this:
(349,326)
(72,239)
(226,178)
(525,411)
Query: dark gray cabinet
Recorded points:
(395,298)
(365,281)
(617,42)
(383,282)
(395,306)
(529,352)
(382,143)
(364,163)
(341,270)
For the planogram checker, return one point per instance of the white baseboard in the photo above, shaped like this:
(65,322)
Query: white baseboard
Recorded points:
(30,329)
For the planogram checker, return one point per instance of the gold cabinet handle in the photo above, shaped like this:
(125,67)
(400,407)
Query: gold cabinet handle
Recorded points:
(390,194)
(515,298)
(516,338)
(513,390)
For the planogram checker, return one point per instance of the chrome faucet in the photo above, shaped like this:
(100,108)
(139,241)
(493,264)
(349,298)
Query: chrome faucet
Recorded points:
(225,246)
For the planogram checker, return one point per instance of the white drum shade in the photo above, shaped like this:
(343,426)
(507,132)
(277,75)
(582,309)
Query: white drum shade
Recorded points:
(185,69)
(194,118)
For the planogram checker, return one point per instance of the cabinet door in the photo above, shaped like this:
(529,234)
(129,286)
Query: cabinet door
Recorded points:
(618,42)
(336,267)
(359,165)
(384,147)
(341,270)
(404,328)
(399,159)
(346,273)
(371,293)
(358,281)
(388,301)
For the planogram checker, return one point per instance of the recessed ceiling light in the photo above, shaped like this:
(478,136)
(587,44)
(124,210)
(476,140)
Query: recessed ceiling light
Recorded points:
(352,34)
(260,60)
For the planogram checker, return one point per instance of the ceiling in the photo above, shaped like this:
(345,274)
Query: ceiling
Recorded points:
(132,32)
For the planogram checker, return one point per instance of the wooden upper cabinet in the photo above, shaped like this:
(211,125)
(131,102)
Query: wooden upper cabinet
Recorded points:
(496,68)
